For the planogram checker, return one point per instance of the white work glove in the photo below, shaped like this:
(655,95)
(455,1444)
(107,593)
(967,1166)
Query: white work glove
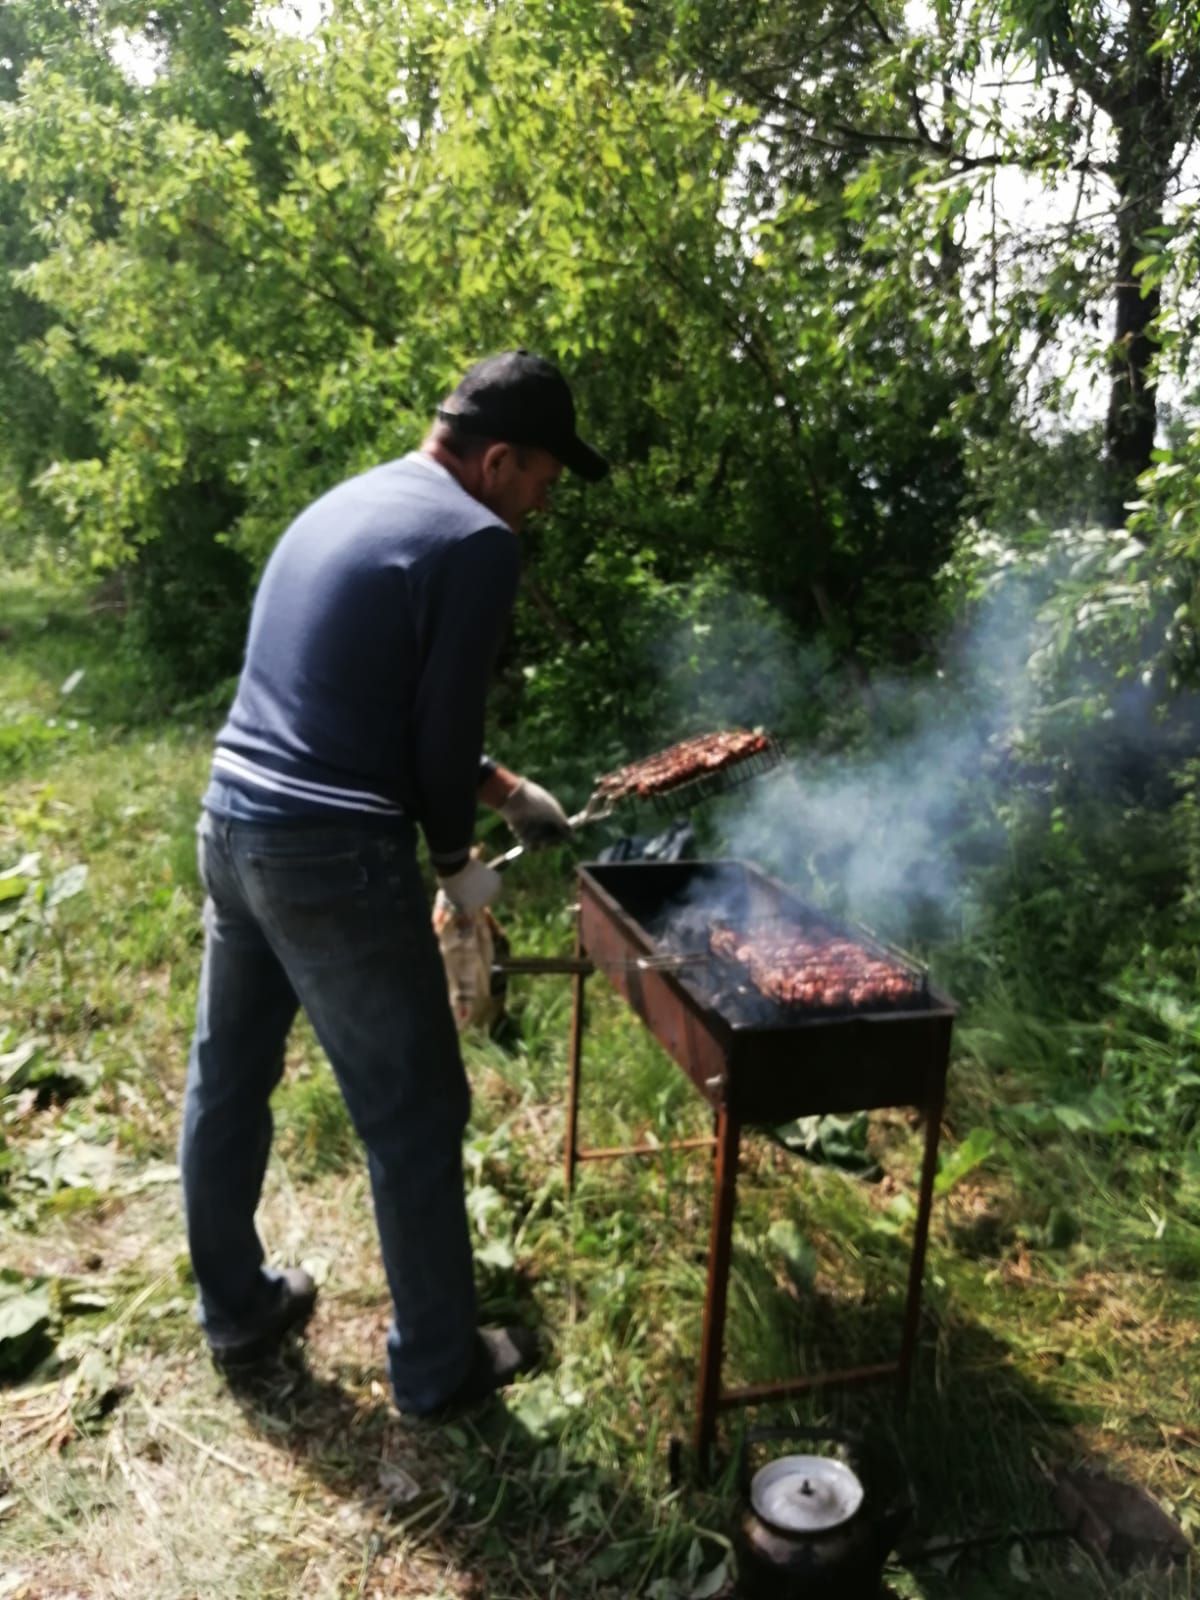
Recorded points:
(535,816)
(472,887)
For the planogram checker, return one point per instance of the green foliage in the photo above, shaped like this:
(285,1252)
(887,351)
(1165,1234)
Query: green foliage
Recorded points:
(25,1316)
(1090,780)
(971,1153)
(328,253)
(29,914)
(42,417)
(1060,1289)
(26,737)
(189,594)
(773,303)
(314,1125)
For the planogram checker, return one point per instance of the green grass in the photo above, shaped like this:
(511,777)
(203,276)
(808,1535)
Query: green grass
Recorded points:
(1061,1286)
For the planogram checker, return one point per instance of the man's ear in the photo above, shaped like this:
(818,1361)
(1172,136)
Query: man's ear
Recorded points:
(494,459)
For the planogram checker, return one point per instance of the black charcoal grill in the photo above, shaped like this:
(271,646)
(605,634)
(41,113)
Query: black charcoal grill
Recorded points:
(756,1062)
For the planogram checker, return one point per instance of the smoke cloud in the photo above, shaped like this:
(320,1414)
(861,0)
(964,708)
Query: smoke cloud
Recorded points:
(891,833)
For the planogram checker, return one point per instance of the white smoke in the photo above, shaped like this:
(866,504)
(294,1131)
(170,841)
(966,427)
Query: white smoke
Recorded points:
(892,831)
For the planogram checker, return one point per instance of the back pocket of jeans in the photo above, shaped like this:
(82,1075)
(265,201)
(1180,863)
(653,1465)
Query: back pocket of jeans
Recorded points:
(310,880)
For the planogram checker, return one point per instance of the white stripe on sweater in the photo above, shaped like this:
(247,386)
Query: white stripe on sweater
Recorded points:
(302,788)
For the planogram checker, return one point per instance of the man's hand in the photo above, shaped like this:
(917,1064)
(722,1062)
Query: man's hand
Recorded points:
(535,816)
(472,887)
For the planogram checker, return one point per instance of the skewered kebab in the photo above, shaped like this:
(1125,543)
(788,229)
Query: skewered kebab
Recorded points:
(682,762)
(795,968)
(703,761)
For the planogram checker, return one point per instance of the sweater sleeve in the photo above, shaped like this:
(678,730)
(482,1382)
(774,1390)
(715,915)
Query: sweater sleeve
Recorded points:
(467,605)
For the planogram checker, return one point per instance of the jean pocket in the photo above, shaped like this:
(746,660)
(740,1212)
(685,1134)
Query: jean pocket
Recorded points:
(300,880)
(212,860)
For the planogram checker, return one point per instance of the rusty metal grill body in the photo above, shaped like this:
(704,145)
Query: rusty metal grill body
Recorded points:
(753,1061)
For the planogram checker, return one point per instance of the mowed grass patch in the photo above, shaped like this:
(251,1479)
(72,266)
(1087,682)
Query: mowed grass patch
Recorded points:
(1060,1327)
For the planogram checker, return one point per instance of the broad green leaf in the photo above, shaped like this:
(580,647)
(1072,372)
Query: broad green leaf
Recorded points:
(24,1317)
(539,1408)
(14,881)
(67,884)
(711,1583)
(15,1065)
(979,1144)
(496,1253)
(75,1165)
(786,1238)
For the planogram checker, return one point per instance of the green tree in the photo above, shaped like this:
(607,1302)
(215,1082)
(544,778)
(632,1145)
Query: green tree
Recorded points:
(1138,64)
(42,418)
(1112,107)
(439,185)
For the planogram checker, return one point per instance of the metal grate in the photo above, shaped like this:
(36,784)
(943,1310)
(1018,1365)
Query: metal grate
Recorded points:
(711,785)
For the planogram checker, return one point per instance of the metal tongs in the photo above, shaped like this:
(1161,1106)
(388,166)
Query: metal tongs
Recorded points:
(703,785)
(598,808)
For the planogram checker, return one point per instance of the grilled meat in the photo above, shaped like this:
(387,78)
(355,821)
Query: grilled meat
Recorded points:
(690,758)
(794,968)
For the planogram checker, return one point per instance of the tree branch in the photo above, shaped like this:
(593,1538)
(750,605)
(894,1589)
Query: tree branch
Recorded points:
(742,332)
(939,148)
(924,141)
(1100,84)
(1184,97)
(878,25)
(565,630)
(855,139)
(330,293)
(914,100)
(1068,239)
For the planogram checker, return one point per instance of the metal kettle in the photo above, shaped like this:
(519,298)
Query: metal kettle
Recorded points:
(809,1529)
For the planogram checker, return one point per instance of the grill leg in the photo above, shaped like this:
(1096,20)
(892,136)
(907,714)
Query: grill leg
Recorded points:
(712,1340)
(916,1266)
(575,1063)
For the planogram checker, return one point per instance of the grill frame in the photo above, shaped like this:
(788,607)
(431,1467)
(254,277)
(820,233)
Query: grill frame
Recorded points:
(753,1073)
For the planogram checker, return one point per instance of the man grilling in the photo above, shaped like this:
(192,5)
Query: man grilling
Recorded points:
(359,717)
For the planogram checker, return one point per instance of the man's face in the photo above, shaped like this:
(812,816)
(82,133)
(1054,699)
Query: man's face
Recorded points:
(517,479)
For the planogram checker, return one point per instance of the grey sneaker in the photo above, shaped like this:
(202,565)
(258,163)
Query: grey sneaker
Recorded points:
(297,1297)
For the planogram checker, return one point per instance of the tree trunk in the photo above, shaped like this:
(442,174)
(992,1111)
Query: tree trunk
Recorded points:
(1144,121)
(1133,405)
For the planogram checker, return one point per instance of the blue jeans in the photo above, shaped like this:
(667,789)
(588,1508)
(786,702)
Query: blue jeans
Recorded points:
(333,918)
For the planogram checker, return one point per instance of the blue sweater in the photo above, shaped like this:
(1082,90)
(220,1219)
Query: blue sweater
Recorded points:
(374,632)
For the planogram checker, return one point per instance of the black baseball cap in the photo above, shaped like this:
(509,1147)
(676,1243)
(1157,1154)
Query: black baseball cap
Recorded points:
(523,399)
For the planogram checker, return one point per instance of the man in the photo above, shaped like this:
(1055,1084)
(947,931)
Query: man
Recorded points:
(359,716)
